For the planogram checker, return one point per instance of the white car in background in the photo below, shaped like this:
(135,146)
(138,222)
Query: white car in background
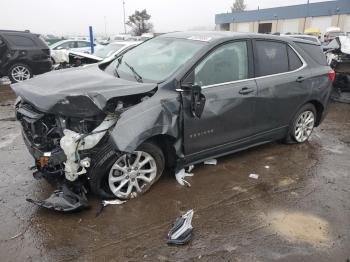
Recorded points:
(107,52)
(71,44)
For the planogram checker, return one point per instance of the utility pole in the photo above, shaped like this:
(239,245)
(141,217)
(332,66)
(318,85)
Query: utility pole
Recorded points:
(105,26)
(124,16)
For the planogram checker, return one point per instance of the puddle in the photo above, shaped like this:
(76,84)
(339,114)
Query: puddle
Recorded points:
(337,149)
(300,227)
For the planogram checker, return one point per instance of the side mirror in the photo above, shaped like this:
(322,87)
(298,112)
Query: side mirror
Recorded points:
(197,101)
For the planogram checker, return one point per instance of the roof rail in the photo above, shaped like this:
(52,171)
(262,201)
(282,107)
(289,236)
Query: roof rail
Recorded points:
(15,31)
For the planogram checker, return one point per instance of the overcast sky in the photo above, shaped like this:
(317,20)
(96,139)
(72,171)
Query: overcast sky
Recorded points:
(74,16)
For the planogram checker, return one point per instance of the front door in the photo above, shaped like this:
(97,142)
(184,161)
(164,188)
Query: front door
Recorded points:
(230,100)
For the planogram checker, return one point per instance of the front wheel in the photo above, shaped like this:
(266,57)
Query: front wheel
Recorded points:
(127,175)
(302,125)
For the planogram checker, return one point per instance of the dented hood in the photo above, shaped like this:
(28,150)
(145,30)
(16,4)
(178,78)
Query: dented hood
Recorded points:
(86,87)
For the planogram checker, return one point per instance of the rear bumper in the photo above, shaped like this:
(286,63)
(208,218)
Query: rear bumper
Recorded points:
(43,66)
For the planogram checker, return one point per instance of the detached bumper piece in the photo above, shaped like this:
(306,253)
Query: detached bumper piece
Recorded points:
(181,231)
(64,200)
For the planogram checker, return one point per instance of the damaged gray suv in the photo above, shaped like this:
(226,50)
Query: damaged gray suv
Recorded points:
(172,101)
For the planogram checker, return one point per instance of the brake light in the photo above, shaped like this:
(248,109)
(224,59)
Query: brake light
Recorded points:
(331,75)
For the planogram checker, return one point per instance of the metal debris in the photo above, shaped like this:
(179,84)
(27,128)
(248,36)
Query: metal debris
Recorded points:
(181,231)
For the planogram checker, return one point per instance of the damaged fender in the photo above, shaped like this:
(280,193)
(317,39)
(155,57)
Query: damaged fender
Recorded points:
(146,120)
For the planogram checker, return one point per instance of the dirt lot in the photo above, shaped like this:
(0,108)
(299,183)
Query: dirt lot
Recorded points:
(297,210)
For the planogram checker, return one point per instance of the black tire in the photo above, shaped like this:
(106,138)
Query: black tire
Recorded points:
(105,159)
(291,137)
(16,65)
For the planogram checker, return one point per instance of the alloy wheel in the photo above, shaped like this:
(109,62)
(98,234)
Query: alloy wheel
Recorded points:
(132,174)
(20,73)
(304,126)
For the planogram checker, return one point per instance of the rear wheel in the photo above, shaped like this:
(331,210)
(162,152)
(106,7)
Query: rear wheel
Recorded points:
(302,125)
(127,175)
(19,72)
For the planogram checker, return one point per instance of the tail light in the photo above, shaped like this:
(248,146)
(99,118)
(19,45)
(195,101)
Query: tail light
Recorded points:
(331,75)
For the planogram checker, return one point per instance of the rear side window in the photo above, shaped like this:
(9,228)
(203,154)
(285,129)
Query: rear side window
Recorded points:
(22,41)
(227,63)
(294,60)
(83,44)
(271,58)
(314,51)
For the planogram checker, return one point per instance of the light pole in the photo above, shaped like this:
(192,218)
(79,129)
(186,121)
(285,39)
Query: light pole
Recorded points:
(124,16)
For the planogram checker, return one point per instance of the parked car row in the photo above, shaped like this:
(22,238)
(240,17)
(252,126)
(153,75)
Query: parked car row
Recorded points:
(23,54)
(172,101)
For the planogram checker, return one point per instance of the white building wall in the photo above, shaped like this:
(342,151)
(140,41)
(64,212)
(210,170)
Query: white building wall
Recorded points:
(322,23)
(290,25)
(347,24)
(243,27)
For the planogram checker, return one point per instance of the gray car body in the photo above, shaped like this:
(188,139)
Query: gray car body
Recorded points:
(230,121)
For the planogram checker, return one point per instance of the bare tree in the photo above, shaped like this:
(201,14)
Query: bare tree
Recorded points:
(238,6)
(139,22)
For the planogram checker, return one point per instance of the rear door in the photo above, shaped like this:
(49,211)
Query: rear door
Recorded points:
(229,112)
(283,84)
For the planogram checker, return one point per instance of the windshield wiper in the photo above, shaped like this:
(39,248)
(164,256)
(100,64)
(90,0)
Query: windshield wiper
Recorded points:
(116,67)
(136,75)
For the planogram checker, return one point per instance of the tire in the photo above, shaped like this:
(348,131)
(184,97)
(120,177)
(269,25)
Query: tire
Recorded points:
(302,125)
(19,72)
(106,169)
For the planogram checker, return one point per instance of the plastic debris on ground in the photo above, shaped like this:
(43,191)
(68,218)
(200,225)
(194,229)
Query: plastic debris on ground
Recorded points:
(113,202)
(64,200)
(190,168)
(267,167)
(180,177)
(181,231)
(210,162)
(254,176)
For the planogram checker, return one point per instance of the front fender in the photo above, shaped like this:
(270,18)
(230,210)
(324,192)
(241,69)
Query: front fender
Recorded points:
(152,117)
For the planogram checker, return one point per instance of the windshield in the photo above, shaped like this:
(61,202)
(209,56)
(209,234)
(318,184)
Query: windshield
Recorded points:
(156,59)
(108,50)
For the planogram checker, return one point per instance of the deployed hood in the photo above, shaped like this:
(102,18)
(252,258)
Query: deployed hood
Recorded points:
(86,55)
(86,87)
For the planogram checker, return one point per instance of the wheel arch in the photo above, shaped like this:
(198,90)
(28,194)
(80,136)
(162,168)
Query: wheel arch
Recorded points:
(167,144)
(319,110)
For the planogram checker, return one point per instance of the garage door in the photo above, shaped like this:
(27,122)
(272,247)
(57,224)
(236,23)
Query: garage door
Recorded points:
(290,26)
(321,23)
(243,27)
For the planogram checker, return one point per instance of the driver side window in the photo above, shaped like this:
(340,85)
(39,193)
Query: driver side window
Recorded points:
(227,63)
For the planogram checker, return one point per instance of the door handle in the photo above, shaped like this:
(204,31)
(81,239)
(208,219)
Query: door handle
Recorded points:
(300,79)
(246,90)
